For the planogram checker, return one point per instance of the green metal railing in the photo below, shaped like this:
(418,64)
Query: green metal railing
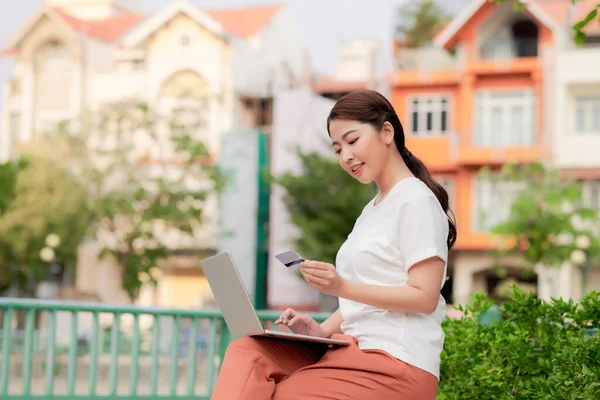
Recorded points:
(36,349)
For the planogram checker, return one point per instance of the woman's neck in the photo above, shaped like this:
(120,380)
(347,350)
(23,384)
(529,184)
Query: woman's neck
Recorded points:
(393,172)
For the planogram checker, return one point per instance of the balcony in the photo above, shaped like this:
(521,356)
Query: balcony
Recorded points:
(479,156)
(515,66)
(578,66)
(426,66)
(437,152)
(509,49)
(508,56)
(505,129)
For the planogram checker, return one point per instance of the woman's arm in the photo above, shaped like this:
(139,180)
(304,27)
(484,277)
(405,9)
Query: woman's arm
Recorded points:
(332,324)
(421,295)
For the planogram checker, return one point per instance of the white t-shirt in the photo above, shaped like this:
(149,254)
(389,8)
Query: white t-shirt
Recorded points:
(407,226)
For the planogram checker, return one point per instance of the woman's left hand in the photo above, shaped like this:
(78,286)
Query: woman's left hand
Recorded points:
(322,276)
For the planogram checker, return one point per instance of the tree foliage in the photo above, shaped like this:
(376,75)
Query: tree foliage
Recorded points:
(323,201)
(535,350)
(151,176)
(8,178)
(548,223)
(420,21)
(47,201)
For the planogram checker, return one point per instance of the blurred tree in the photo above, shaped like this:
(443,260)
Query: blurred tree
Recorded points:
(49,205)
(548,222)
(150,176)
(578,35)
(419,22)
(323,201)
(8,178)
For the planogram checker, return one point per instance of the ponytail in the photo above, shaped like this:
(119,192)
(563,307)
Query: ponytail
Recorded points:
(420,171)
(369,106)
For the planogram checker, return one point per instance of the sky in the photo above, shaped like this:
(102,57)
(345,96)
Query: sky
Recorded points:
(322,24)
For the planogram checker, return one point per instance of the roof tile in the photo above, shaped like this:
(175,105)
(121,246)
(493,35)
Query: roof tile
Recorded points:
(108,30)
(244,22)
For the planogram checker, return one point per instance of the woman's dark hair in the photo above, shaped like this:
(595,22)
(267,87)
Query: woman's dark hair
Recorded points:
(369,106)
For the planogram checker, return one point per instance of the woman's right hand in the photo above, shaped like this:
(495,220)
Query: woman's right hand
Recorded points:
(300,323)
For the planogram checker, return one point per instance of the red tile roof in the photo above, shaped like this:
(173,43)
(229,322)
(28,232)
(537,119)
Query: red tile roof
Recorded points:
(335,86)
(584,8)
(244,22)
(558,10)
(108,30)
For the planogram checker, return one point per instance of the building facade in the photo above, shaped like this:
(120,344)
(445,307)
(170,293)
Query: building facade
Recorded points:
(496,88)
(73,57)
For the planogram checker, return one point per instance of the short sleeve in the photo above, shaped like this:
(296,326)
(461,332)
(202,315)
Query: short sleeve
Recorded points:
(422,230)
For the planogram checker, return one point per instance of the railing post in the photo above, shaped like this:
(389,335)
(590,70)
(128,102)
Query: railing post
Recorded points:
(224,341)
(96,345)
(6,350)
(50,354)
(28,351)
(192,355)
(154,355)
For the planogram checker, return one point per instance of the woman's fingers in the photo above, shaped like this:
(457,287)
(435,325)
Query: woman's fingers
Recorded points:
(294,320)
(316,272)
(286,316)
(314,280)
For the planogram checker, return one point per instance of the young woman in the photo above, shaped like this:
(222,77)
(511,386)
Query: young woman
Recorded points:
(388,276)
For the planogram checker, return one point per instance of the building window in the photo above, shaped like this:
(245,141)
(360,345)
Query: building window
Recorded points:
(591,194)
(53,79)
(185,40)
(587,114)
(14,126)
(493,202)
(519,39)
(138,64)
(504,119)
(429,115)
(448,184)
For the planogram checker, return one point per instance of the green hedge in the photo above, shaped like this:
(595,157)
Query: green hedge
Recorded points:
(534,350)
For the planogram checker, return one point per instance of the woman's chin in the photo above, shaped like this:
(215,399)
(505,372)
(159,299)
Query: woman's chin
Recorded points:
(364,178)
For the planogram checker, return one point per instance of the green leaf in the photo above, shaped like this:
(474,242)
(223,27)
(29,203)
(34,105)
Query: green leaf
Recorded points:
(581,24)
(580,38)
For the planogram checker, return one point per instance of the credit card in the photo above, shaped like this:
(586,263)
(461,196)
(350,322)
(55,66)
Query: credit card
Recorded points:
(289,258)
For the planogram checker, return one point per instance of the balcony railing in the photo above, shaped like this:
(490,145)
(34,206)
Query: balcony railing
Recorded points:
(178,359)
(501,50)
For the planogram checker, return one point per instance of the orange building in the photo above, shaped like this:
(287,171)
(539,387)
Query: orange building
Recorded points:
(478,100)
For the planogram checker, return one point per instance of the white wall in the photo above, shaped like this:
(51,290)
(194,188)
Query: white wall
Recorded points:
(105,88)
(357,61)
(299,120)
(266,58)
(577,73)
(238,204)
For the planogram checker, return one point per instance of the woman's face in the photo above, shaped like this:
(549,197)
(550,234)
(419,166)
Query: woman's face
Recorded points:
(362,151)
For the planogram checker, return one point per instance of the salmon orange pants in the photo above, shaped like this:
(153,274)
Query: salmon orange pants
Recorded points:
(267,368)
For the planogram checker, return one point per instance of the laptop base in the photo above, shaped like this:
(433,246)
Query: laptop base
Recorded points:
(302,338)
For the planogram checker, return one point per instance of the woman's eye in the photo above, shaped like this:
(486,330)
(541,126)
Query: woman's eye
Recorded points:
(353,141)
(337,151)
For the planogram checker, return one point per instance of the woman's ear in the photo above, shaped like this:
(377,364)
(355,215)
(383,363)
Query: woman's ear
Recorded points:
(387,133)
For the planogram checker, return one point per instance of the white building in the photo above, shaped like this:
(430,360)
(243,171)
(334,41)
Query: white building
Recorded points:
(74,56)
(357,67)
(576,114)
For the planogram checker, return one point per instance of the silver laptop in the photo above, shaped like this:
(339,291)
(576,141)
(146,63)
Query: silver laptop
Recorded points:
(236,306)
